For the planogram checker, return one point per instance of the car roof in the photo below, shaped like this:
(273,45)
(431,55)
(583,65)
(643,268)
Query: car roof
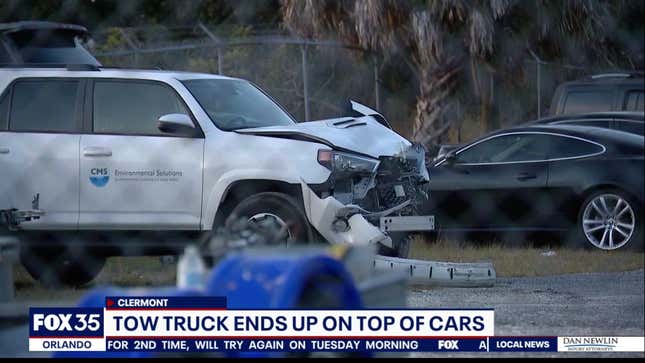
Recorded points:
(606,137)
(631,77)
(624,115)
(148,74)
(598,134)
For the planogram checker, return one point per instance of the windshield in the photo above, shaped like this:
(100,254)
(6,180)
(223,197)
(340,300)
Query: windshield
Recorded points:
(235,104)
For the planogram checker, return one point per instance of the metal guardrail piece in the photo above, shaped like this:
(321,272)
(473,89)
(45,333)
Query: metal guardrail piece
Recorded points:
(435,273)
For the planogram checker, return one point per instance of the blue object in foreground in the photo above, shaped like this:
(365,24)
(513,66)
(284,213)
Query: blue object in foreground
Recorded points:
(287,281)
(250,280)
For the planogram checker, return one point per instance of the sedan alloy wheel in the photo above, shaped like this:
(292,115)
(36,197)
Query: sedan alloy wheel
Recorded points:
(608,221)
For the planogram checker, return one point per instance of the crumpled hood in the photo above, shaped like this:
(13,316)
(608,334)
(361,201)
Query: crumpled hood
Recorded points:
(362,135)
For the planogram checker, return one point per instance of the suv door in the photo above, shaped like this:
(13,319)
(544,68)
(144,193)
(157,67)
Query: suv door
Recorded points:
(39,149)
(133,176)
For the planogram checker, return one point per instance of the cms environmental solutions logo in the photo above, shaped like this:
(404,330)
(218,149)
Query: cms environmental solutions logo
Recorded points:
(99,177)
(600,344)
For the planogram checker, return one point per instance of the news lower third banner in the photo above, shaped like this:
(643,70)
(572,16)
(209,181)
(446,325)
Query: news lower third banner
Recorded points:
(204,324)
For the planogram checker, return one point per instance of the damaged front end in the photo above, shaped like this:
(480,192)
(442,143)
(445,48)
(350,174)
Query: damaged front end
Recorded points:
(369,204)
(365,199)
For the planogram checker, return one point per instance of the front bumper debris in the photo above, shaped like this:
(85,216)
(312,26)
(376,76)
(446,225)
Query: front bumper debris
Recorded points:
(323,214)
(352,224)
(435,273)
(345,225)
(406,223)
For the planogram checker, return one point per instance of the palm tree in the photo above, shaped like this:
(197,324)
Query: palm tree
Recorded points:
(460,49)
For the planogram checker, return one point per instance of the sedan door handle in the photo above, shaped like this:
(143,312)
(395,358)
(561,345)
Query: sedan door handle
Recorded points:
(97,151)
(526,176)
(4,150)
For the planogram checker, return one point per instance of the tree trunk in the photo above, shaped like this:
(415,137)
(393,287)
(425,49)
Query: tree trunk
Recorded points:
(487,102)
(430,122)
(482,80)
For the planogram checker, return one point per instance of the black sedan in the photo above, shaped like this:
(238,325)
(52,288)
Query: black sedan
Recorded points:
(545,178)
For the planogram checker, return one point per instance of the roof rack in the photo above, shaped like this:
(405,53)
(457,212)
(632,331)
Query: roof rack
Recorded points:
(34,25)
(83,67)
(630,74)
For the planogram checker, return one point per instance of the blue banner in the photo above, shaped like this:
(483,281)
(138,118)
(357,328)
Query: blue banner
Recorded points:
(294,345)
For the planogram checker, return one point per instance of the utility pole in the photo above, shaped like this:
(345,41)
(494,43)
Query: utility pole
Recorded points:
(538,63)
(218,42)
(305,83)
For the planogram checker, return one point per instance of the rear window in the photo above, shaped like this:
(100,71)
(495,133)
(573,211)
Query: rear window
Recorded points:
(635,101)
(44,105)
(568,147)
(588,101)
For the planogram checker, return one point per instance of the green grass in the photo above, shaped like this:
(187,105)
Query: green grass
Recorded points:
(508,261)
(529,261)
(118,271)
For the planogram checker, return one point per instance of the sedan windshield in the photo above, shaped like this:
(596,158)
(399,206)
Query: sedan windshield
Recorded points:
(235,104)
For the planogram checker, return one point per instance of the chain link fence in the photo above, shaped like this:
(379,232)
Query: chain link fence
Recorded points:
(311,79)
(314,79)
(528,97)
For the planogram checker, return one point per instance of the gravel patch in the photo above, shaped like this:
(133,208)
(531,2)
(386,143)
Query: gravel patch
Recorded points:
(587,304)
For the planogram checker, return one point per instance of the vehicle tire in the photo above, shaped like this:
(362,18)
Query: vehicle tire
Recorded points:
(609,219)
(55,267)
(277,210)
(401,245)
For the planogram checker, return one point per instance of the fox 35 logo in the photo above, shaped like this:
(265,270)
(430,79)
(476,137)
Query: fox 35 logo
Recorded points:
(99,177)
(66,322)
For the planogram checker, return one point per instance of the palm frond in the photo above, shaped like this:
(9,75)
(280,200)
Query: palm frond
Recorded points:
(499,8)
(427,39)
(377,20)
(481,33)
(450,12)
(320,19)
(585,18)
(294,17)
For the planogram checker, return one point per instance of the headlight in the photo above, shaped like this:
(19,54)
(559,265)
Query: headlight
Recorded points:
(343,162)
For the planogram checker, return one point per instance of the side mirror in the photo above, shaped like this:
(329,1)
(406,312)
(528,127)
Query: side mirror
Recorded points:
(176,123)
(450,158)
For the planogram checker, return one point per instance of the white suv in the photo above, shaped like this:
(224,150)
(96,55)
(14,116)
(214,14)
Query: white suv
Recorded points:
(88,152)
